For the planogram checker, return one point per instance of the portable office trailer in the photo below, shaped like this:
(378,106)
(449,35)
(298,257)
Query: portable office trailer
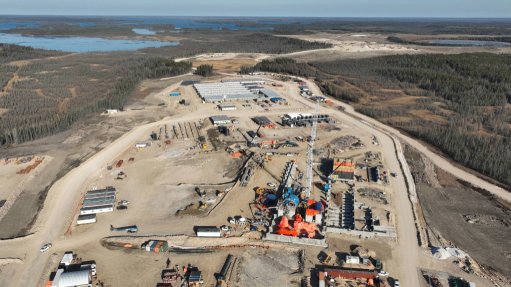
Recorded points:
(97,209)
(227,107)
(208,232)
(220,120)
(86,219)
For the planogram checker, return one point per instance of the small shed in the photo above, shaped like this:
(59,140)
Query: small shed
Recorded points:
(175,94)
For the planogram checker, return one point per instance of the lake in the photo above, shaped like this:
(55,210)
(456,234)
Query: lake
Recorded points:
(142,31)
(450,42)
(81,44)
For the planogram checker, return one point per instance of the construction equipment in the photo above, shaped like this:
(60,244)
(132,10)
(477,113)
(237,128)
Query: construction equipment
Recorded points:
(251,143)
(310,154)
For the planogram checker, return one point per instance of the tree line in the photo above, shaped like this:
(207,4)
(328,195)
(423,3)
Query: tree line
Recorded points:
(56,93)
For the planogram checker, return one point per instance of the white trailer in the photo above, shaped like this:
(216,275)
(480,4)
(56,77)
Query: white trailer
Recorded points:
(208,232)
(86,219)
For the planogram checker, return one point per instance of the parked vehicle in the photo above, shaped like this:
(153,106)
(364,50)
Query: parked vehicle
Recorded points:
(45,247)
(129,229)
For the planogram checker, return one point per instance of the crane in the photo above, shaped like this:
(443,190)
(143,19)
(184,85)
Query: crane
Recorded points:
(310,152)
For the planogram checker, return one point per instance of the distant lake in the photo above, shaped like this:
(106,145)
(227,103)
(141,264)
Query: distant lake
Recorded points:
(191,23)
(80,44)
(142,31)
(470,43)
(13,25)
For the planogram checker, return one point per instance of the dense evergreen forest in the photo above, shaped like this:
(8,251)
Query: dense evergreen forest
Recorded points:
(238,43)
(51,94)
(9,53)
(205,70)
(459,103)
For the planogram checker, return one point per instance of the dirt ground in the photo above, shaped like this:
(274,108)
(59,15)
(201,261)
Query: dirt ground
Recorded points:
(464,216)
(226,66)
(66,150)
(161,180)
(363,45)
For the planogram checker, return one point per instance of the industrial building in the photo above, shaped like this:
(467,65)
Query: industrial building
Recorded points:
(226,91)
(230,90)
(264,122)
(269,93)
(343,170)
(226,107)
(220,120)
(98,201)
(72,278)
(298,119)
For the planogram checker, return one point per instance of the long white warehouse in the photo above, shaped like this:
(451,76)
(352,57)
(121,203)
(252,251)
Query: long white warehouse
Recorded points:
(221,92)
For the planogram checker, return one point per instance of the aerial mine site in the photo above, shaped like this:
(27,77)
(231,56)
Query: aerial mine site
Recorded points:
(255,151)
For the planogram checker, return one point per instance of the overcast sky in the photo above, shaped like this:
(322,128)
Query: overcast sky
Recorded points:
(310,8)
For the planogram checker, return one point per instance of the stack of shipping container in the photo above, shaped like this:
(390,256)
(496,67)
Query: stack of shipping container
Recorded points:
(156,246)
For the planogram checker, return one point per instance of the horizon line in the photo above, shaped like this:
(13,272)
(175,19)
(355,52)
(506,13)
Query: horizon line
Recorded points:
(273,16)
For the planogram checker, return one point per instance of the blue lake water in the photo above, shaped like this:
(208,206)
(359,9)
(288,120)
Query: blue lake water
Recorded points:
(470,43)
(80,44)
(142,31)
(13,25)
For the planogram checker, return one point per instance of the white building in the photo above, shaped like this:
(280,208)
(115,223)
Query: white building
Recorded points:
(97,209)
(67,258)
(352,259)
(221,92)
(227,107)
(86,219)
(208,232)
(220,120)
(75,278)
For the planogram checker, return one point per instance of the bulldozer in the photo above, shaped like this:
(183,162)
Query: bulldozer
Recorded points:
(326,257)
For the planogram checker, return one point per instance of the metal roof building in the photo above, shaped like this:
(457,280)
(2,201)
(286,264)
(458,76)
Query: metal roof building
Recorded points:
(220,120)
(101,197)
(75,278)
(269,93)
(227,107)
(228,91)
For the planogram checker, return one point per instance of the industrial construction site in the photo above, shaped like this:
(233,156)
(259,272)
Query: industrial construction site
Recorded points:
(252,181)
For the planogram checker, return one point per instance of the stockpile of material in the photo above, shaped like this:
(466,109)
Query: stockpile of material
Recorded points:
(155,246)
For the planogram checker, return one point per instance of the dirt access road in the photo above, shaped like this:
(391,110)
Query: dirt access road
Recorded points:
(50,225)
(62,195)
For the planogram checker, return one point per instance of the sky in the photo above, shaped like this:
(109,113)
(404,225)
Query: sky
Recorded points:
(265,8)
